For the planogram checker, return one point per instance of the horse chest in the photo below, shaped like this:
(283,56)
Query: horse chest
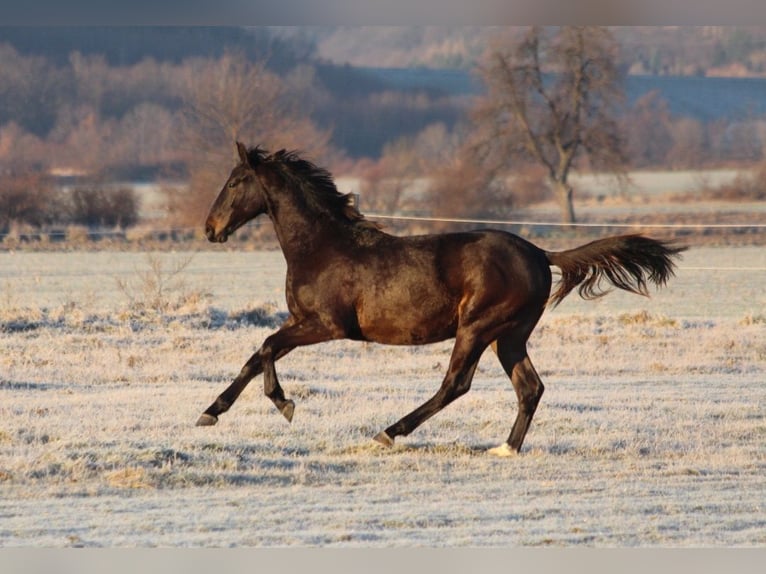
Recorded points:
(320,291)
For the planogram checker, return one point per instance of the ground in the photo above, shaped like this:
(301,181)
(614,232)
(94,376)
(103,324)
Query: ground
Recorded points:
(650,433)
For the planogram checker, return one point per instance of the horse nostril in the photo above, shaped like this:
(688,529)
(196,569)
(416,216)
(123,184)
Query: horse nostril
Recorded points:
(213,233)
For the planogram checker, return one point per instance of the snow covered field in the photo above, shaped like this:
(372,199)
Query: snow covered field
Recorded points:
(652,430)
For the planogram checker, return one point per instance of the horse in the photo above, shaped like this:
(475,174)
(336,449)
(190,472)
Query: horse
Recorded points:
(349,279)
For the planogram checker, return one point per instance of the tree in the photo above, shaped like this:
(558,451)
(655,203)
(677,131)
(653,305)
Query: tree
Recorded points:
(688,149)
(395,182)
(233,99)
(31,90)
(551,98)
(102,207)
(385,182)
(26,197)
(648,126)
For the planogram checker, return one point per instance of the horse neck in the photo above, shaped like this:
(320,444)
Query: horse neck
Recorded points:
(301,229)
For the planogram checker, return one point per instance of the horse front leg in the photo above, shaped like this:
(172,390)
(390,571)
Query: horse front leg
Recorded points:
(250,370)
(273,390)
(299,334)
(292,335)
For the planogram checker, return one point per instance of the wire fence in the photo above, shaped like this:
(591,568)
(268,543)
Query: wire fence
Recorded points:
(159,233)
(528,223)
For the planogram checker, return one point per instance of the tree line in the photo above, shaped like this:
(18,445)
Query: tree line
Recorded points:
(104,116)
(554,103)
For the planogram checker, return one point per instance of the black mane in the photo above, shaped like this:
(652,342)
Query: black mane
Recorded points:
(316,182)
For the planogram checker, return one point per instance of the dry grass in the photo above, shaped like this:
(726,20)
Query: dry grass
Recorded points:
(651,431)
(744,187)
(157,289)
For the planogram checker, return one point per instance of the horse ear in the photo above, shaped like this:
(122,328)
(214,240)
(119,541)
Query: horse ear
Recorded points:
(242,151)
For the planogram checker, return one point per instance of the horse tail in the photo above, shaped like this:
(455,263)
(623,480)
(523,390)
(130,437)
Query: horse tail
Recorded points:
(628,262)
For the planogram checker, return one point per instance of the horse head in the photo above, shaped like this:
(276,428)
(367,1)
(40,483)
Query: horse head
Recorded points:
(240,200)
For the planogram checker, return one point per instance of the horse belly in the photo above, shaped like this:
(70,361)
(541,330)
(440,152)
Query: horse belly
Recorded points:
(407,317)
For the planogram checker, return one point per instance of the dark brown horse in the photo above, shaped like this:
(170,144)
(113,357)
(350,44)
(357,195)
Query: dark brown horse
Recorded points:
(348,279)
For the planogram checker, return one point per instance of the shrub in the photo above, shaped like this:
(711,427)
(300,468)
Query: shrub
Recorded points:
(25,198)
(744,187)
(158,290)
(100,207)
(76,234)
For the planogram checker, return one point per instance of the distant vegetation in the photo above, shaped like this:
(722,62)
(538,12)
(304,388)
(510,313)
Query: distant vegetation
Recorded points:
(99,105)
(657,50)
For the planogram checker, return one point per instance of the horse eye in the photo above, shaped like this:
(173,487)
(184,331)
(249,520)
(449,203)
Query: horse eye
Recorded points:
(232,184)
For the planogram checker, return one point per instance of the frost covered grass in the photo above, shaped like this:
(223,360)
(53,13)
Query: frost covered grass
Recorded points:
(652,430)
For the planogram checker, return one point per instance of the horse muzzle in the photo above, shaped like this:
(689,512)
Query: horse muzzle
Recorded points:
(215,236)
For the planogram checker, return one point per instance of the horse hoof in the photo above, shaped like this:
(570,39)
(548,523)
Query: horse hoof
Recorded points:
(206,420)
(504,451)
(383,438)
(288,410)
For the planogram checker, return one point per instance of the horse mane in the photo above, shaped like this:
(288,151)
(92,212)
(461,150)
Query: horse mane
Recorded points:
(316,182)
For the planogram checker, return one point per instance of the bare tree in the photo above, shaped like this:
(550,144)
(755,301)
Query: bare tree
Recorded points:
(26,197)
(102,207)
(551,98)
(231,99)
(688,144)
(81,139)
(648,126)
(385,181)
(398,179)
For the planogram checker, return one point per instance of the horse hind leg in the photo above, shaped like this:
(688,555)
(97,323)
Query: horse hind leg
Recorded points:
(529,389)
(457,382)
(450,390)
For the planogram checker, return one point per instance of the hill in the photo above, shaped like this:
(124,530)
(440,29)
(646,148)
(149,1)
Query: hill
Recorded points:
(367,85)
(655,50)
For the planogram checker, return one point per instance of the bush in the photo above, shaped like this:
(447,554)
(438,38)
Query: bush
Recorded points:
(99,207)
(25,198)
(529,185)
(76,234)
(157,290)
(744,187)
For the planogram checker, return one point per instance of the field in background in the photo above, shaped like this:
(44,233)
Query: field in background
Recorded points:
(684,204)
(652,431)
